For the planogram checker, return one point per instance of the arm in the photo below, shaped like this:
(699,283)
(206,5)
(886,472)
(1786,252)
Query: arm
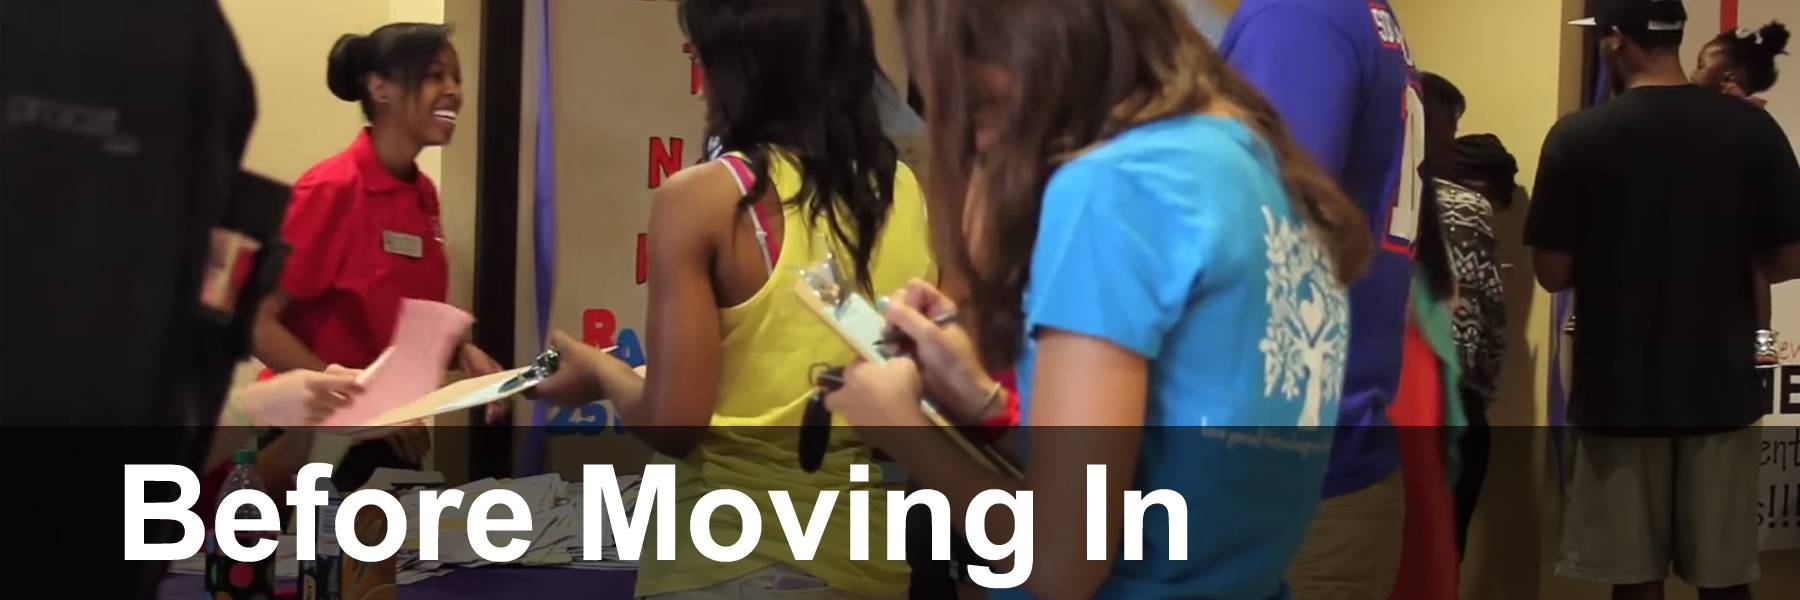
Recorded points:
(1775,206)
(1100,243)
(688,216)
(1555,269)
(1781,265)
(276,345)
(671,410)
(1308,69)
(1554,219)
(1090,407)
(295,399)
(1092,400)
(319,235)
(1765,314)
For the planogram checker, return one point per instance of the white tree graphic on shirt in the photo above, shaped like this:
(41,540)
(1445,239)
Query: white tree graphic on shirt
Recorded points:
(1308,333)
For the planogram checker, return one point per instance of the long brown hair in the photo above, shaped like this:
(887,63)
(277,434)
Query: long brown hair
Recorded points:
(1081,72)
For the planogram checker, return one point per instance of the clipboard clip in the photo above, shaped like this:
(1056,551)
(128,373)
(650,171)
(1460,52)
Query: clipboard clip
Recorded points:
(827,280)
(541,368)
(815,425)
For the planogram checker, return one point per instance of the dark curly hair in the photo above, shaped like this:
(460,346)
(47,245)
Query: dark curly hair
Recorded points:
(1754,52)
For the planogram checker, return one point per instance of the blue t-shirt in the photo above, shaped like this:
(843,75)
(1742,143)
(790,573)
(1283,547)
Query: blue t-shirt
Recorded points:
(1340,74)
(1176,240)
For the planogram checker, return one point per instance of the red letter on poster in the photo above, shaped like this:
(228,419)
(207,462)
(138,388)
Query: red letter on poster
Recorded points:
(598,326)
(664,160)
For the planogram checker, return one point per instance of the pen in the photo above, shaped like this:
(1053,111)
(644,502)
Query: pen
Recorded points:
(894,337)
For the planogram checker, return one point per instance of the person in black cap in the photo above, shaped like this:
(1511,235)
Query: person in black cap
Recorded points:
(1653,208)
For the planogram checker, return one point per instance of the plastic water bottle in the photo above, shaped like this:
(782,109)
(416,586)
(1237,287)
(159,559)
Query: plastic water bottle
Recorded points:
(227,578)
(322,578)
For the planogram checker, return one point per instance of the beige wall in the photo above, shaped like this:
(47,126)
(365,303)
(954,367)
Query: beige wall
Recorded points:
(285,44)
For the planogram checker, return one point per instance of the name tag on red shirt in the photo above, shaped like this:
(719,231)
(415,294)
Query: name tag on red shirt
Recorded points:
(403,244)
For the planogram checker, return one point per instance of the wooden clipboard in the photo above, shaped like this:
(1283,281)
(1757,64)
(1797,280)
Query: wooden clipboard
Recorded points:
(465,394)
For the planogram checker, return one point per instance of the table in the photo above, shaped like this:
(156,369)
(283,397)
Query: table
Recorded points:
(483,583)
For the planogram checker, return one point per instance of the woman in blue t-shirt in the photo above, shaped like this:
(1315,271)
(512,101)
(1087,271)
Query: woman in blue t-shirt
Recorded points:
(1141,238)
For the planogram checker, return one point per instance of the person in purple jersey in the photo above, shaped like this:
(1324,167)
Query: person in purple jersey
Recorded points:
(1341,75)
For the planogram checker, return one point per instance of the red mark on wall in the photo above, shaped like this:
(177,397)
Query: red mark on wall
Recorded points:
(643,253)
(695,81)
(1728,15)
(665,160)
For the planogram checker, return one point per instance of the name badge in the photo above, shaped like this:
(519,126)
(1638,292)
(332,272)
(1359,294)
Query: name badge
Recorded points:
(402,244)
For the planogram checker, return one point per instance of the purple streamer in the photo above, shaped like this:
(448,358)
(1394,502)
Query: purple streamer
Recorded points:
(543,208)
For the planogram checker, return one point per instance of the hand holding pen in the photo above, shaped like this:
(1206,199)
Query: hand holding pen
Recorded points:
(948,360)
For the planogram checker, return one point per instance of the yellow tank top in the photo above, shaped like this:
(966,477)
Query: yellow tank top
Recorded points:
(770,344)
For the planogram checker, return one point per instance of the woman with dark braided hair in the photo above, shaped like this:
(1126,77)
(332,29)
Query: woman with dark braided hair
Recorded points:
(1742,63)
(1476,183)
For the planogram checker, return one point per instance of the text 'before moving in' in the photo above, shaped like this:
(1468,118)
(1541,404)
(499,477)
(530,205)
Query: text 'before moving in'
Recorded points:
(607,515)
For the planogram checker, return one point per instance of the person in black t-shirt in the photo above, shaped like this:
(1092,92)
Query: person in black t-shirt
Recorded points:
(1653,207)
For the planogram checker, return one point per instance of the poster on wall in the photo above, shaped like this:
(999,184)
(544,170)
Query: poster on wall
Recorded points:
(1778,496)
(1778,514)
(628,115)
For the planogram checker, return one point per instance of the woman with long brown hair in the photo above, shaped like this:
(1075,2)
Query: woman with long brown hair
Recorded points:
(1145,242)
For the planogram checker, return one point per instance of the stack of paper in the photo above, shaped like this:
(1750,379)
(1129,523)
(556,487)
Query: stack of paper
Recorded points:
(628,491)
(425,336)
(555,537)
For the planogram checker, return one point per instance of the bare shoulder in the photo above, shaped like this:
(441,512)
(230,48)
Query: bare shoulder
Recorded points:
(696,205)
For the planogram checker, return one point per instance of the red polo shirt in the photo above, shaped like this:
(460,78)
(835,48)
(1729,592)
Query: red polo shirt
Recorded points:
(362,240)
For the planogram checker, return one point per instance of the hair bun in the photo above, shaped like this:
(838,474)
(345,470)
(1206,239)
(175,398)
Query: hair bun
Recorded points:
(1773,38)
(345,68)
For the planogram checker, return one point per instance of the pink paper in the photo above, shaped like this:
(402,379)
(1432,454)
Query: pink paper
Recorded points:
(414,363)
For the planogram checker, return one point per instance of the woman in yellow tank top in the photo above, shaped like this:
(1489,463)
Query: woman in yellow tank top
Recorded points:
(790,90)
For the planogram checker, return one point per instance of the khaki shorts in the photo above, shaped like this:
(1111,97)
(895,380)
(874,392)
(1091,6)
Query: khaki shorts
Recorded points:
(1636,506)
(1352,548)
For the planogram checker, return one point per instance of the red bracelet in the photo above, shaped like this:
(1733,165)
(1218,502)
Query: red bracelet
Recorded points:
(996,425)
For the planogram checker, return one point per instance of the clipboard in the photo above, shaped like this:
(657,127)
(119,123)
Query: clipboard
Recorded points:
(859,325)
(465,394)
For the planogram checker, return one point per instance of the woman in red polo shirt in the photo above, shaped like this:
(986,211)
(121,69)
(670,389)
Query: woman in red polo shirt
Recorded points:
(364,225)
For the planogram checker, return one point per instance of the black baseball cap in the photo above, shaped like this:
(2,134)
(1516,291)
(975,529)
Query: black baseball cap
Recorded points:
(1648,22)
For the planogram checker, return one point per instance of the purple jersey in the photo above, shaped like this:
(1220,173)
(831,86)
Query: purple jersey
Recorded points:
(1341,75)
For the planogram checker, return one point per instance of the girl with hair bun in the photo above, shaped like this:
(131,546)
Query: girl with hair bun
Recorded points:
(1742,62)
(363,225)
